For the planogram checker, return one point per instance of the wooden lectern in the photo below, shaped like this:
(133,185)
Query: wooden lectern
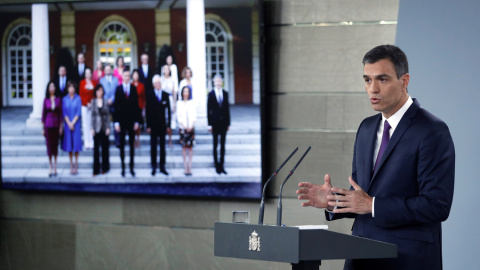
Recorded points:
(303,248)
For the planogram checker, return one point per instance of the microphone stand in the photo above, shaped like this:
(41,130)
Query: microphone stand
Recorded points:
(262,203)
(279,207)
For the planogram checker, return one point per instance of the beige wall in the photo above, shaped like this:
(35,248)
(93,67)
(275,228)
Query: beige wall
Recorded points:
(314,97)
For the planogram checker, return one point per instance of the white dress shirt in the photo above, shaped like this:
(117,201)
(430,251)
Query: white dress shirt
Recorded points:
(393,122)
(219,94)
(63,82)
(126,89)
(158,93)
(81,69)
(145,70)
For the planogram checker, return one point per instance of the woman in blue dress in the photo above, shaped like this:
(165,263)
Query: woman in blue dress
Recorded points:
(72,138)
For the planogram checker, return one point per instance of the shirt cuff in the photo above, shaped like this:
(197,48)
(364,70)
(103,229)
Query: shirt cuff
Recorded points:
(373,207)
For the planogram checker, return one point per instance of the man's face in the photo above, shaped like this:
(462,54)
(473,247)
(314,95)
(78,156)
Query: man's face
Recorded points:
(157,84)
(144,59)
(218,82)
(108,70)
(387,93)
(126,77)
(80,58)
(62,71)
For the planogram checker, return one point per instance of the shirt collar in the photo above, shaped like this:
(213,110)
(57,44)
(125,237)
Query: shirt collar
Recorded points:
(396,117)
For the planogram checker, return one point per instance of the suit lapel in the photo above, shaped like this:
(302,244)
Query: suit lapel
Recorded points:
(372,138)
(403,125)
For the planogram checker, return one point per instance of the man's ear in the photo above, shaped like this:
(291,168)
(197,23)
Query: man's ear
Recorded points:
(405,80)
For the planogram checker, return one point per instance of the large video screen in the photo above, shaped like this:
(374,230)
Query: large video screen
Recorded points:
(121,69)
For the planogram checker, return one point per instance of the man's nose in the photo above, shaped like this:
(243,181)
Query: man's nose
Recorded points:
(374,87)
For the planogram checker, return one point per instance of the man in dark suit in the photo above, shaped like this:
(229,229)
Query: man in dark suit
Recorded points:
(61,80)
(402,173)
(158,116)
(146,73)
(79,70)
(218,110)
(126,117)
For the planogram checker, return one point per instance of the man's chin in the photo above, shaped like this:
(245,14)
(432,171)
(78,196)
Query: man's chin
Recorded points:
(376,108)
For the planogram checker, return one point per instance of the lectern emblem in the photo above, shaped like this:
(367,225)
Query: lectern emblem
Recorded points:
(254,242)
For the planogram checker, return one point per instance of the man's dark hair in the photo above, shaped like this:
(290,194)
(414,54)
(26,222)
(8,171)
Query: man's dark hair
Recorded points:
(390,52)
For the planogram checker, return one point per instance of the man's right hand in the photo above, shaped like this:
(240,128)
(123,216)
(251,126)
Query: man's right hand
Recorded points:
(316,195)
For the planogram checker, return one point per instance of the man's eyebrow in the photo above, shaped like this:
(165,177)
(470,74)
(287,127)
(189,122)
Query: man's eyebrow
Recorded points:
(379,76)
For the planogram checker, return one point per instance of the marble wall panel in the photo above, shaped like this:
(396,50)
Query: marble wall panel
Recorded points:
(60,206)
(320,59)
(170,212)
(106,246)
(193,249)
(307,11)
(27,244)
(331,153)
(329,112)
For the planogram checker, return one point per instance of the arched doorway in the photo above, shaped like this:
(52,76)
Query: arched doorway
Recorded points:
(115,37)
(19,66)
(218,56)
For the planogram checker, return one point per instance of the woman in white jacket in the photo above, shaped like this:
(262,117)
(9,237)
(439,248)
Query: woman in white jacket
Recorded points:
(186,117)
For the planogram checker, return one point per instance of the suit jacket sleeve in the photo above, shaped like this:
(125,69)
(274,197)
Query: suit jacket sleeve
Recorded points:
(209,108)
(94,114)
(148,107)
(136,109)
(107,110)
(116,111)
(166,97)
(435,178)
(227,106)
(331,216)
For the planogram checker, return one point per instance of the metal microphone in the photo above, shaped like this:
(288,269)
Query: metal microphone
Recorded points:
(279,207)
(262,203)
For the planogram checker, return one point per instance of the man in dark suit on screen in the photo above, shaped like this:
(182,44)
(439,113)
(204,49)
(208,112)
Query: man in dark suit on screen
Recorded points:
(79,70)
(145,73)
(218,110)
(402,172)
(127,115)
(158,116)
(61,80)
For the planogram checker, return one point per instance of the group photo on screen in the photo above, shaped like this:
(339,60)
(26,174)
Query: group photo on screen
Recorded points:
(123,109)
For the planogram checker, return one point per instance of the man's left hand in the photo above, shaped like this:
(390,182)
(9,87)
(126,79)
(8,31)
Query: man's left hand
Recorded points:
(355,201)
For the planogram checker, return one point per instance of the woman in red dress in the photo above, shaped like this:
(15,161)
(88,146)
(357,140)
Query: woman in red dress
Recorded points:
(141,101)
(98,72)
(87,94)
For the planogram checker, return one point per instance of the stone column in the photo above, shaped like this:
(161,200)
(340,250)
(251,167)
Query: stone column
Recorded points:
(40,61)
(196,56)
